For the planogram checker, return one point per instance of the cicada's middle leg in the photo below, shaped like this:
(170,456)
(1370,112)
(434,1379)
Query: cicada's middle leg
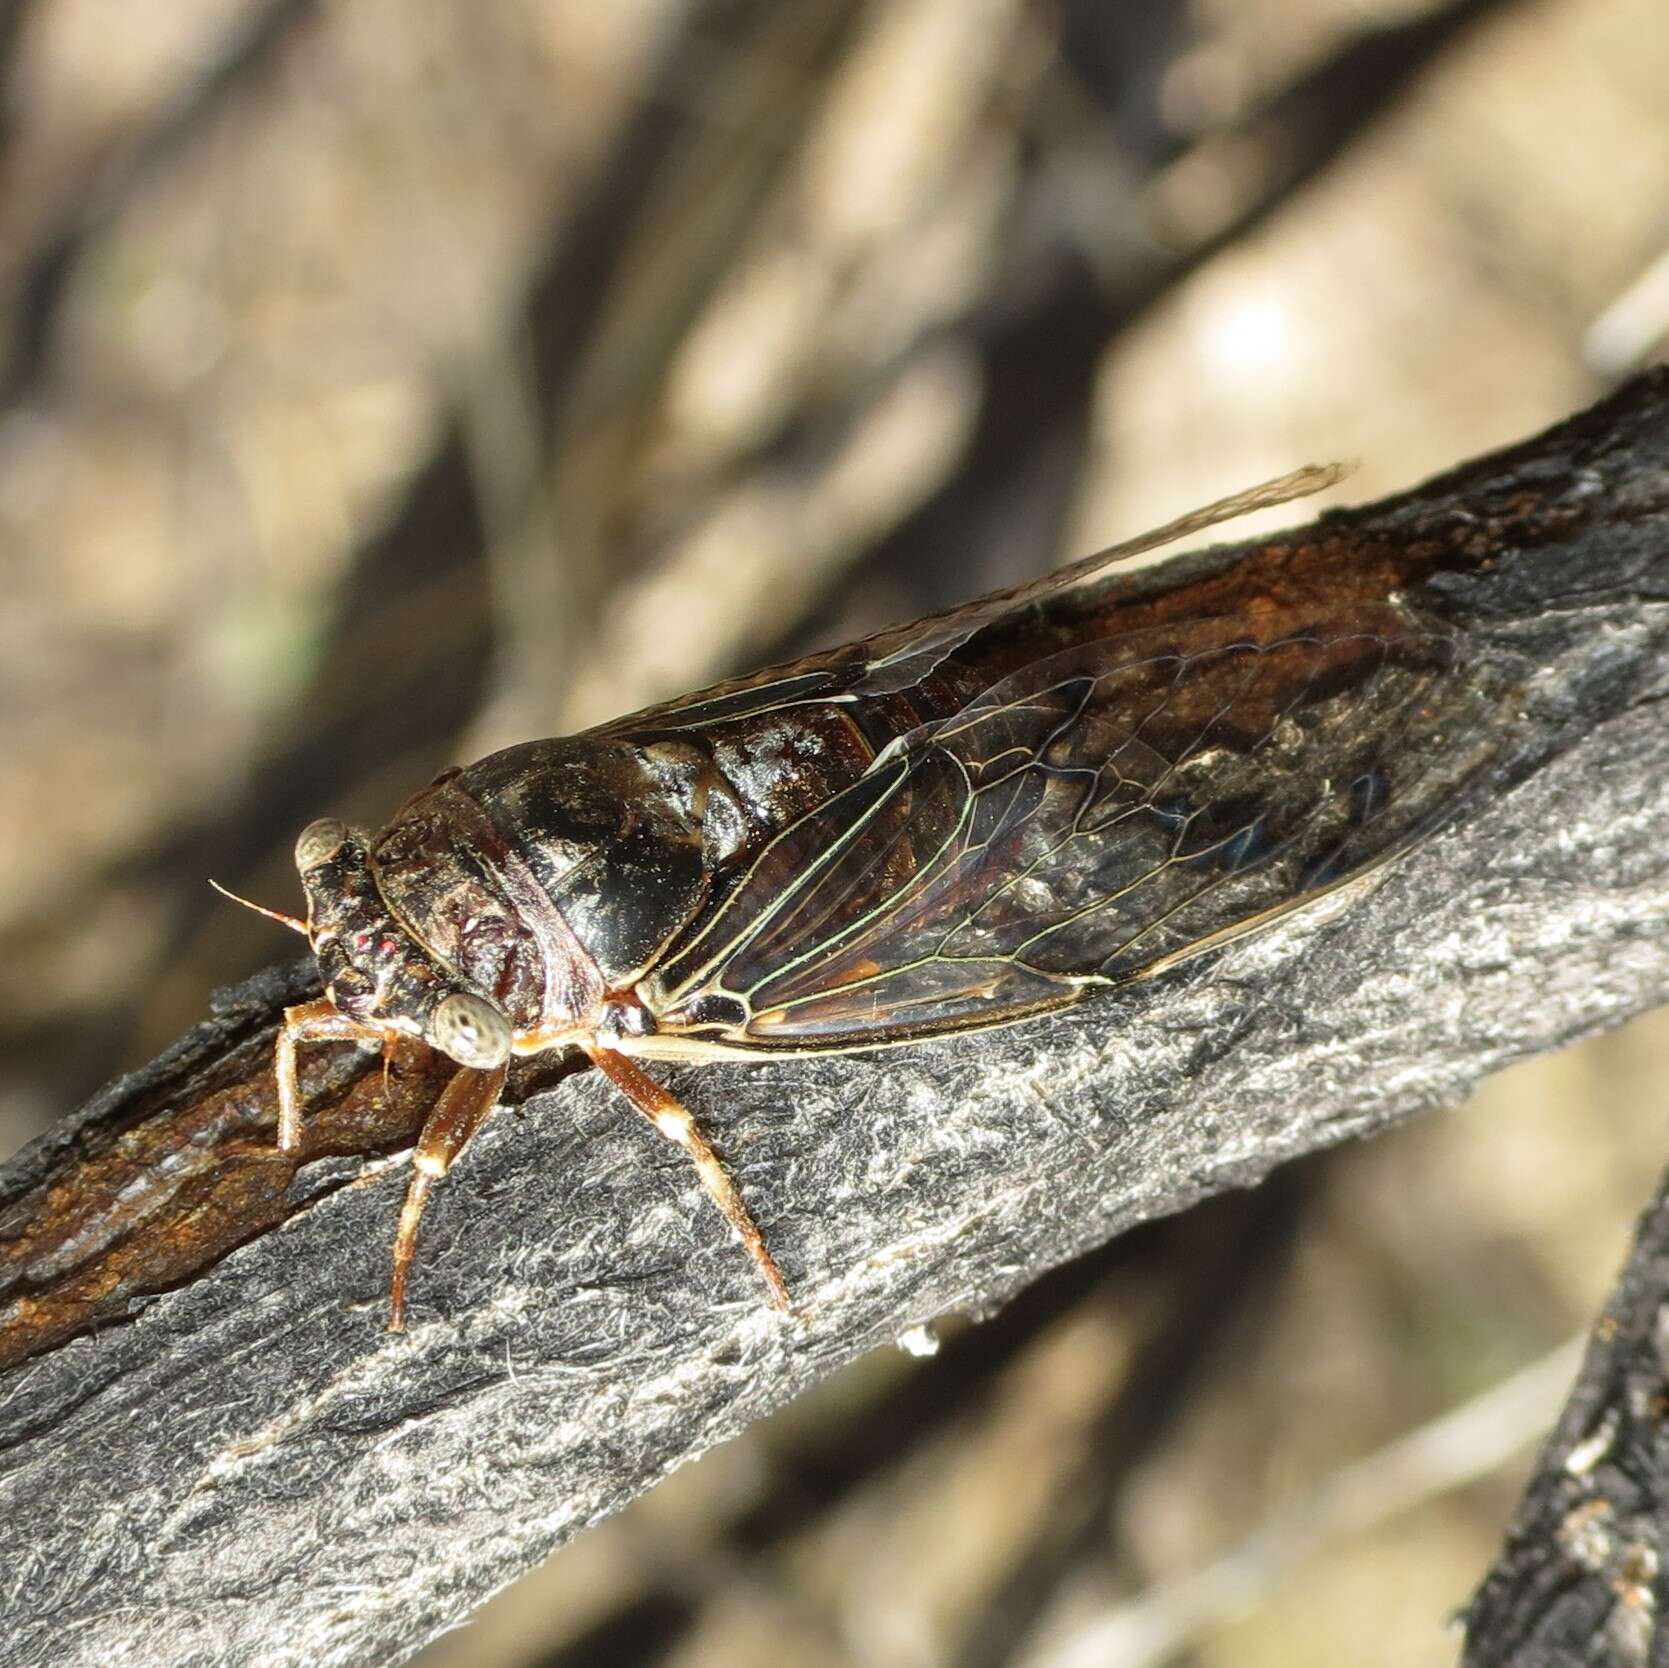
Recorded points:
(463,1105)
(318,1021)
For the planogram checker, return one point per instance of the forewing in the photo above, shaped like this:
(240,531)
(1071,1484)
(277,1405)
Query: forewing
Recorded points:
(1104,813)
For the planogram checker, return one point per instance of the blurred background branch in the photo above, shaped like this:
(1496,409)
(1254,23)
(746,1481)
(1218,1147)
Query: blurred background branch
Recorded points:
(1581,1575)
(386,383)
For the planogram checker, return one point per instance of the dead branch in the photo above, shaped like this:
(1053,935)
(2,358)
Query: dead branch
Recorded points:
(211,1454)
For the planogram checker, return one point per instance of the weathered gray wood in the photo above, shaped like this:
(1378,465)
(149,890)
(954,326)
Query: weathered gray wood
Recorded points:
(249,1469)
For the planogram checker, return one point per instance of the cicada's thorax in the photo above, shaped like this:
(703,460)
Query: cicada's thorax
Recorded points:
(546,877)
(553,876)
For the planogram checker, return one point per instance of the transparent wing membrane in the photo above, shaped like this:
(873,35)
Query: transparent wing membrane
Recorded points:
(1106,811)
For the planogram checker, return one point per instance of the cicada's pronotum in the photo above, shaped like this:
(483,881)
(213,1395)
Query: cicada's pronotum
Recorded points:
(958,823)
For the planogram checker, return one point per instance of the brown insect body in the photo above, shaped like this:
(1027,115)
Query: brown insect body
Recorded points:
(955,824)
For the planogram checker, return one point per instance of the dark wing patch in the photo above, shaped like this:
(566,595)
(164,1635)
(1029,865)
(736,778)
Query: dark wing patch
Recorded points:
(1104,813)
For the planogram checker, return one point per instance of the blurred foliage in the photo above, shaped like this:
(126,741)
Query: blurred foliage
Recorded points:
(383,383)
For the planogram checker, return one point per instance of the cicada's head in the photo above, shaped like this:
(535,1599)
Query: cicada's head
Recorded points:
(373,968)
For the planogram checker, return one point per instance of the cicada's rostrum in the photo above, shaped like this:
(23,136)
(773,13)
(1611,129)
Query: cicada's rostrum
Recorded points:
(978,817)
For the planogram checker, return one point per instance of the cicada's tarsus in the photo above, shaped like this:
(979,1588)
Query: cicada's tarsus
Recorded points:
(961,822)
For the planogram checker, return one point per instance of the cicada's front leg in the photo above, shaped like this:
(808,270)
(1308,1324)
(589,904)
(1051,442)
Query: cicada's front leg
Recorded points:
(318,1021)
(672,1118)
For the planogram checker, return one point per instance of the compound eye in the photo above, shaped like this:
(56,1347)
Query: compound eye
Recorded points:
(319,842)
(471,1030)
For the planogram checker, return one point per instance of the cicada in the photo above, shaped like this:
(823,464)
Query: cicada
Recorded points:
(985,815)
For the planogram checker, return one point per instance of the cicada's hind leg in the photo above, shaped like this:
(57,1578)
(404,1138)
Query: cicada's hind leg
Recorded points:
(673,1120)
(319,1021)
(463,1106)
